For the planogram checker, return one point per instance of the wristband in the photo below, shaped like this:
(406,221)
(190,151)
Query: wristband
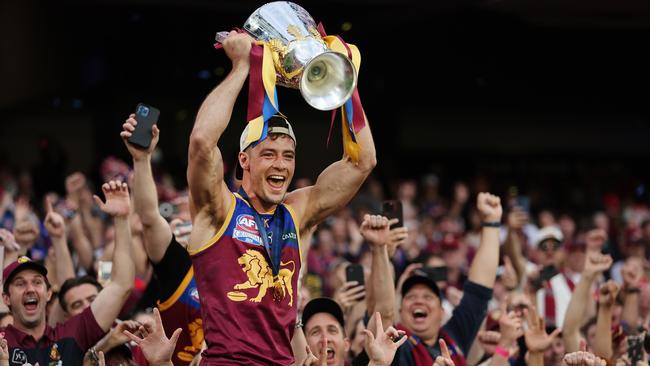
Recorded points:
(502,352)
(496,224)
(632,290)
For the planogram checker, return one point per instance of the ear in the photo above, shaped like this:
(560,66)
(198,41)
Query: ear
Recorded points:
(5,298)
(347,344)
(49,295)
(244,160)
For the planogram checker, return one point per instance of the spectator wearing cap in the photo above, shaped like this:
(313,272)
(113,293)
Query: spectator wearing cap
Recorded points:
(324,330)
(324,326)
(26,291)
(556,283)
(421,312)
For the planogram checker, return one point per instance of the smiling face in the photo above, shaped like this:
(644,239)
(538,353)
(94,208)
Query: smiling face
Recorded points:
(421,312)
(268,168)
(27,296)
(80,297)
(323,328)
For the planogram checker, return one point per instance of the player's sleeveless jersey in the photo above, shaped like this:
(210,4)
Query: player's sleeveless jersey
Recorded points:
(183,310)
(248,315)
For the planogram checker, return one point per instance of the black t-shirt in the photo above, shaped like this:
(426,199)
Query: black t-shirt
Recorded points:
(171,269)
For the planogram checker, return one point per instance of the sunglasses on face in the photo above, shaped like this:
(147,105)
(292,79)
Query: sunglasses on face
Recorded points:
(549,244)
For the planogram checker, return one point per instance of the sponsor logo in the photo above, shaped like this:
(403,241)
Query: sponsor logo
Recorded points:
(287,236)
(194,293)
(18,356)
(246,230)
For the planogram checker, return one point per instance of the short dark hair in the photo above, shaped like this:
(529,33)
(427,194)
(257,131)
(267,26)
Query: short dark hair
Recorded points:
(71,283)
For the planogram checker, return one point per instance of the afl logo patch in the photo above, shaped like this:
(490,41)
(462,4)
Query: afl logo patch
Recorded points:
(194,294)
(246,230)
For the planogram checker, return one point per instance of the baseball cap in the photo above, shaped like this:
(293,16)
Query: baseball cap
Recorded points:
(323,305)
(278,124)
(420,280)
(548,233)
(20,264)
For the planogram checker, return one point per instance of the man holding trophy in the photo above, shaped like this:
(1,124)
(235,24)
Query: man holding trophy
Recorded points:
(246,246)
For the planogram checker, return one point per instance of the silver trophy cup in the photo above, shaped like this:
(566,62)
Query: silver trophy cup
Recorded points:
(326,79)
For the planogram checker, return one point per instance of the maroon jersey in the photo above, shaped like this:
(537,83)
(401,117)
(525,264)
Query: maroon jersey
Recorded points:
(248,313)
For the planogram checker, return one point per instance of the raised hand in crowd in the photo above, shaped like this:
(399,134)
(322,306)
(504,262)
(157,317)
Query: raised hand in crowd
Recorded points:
(445,358)
(117,202)
(111,298)
(582,358)
(321,359)
(382,345)
(375,230)
(55,226)
(348,295)
(606,299)
(127,131)
(155,345)
(4,351)
(116,337)
(537,340)
(489,340)
(8,241)
(632,273)
(595,265)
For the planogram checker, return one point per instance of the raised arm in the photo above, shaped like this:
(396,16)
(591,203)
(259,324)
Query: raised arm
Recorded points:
(376,230)
(512,247)
(336,185)
(632,272)
(157,234)
(55,226)
(595,264)
(484,266)
(110,300)
(603,340)
(209,195)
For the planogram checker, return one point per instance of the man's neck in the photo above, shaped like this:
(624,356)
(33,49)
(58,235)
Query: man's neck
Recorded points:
(36,332)
(259,205)
(432,339)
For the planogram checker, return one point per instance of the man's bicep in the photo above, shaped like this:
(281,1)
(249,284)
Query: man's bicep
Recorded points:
(334,188)
(205,176)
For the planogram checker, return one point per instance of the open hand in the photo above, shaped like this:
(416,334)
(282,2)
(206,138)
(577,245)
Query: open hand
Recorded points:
(117,203)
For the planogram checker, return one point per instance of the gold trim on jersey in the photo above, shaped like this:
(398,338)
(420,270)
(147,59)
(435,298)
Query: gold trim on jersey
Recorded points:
(162,306)
(219,233)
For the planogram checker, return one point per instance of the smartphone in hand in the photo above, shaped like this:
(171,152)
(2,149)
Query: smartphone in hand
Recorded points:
(354,272)
(147,116)
(392,209)
(635,349)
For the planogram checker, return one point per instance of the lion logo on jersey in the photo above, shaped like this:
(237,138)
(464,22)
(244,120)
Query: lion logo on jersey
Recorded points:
(260,276)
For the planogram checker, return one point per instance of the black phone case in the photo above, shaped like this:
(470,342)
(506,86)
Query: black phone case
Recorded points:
(354,272)
(393,210)
(147,116)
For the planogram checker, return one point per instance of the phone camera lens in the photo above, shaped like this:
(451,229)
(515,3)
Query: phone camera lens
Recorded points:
(143,111)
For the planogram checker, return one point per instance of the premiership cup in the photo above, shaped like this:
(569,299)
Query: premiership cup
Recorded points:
(302,60)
